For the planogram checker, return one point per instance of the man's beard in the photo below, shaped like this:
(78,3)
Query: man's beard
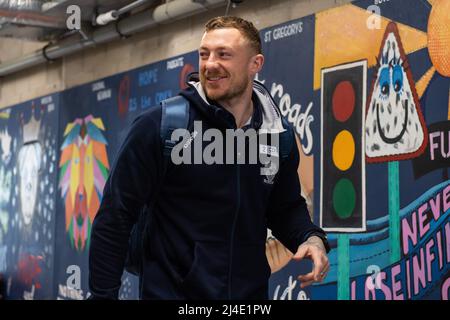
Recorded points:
(234,91)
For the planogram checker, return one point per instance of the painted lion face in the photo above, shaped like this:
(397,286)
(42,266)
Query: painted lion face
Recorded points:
(83,171)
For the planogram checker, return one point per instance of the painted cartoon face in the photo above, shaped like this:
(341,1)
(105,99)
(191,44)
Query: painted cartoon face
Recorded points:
(29,166)
(393,122)
(392,128)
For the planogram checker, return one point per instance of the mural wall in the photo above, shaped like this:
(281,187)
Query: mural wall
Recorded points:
(28,134)
(56,153)
(370,102)
(369,98)
(94,122)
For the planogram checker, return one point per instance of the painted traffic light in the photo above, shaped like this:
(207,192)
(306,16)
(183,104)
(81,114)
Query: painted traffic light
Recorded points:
(342,191)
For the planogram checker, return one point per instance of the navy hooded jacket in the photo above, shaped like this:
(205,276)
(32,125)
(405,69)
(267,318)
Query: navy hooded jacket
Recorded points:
(209,224)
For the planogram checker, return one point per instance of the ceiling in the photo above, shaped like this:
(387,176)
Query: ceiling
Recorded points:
(46,20)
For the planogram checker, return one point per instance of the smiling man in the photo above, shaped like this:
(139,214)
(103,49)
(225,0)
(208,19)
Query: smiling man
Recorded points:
(228,62)
(207,223)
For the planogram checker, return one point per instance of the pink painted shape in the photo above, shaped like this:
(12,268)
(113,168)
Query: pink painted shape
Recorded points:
(446,200)
(439,247)
(435,205)
(99,180)
(409,233)
(430,257)
(445,287)
(88,118)
(386,290)
(423,225)
(369,289)
(418,272)
(447,242)
(396,285)
(65,181)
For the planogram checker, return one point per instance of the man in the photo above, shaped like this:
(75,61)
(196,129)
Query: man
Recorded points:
(206,237)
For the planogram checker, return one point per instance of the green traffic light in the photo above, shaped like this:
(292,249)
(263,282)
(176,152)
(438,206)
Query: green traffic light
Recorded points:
(344,198)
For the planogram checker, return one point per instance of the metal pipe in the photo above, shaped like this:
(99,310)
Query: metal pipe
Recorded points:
(131,6)
(164,13)
(176,10)
(29,5)
(179,9)
(27,13)
(113,15)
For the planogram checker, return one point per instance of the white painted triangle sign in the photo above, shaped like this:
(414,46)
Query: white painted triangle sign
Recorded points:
(395,128)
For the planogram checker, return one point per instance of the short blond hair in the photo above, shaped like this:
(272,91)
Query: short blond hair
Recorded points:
(246,28)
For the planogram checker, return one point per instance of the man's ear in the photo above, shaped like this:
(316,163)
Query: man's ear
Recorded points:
(256,63)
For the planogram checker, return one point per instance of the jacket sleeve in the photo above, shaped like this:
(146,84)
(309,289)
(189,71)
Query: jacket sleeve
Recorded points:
(133,177)
(287,214)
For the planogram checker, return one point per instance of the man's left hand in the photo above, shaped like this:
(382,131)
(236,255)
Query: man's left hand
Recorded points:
(314,250)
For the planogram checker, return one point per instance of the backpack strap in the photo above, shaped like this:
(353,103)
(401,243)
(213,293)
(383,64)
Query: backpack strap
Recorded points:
(287,140)
(175,115)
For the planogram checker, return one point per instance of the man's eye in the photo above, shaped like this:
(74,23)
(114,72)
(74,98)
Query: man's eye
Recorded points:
(203,54)
(224,54)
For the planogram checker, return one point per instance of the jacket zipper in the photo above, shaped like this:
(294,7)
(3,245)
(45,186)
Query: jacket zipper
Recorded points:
(238,180)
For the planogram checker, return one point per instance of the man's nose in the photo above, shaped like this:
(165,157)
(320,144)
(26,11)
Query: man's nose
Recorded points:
(211,63)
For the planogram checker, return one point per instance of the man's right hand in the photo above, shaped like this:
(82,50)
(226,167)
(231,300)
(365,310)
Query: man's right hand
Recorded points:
(277,254)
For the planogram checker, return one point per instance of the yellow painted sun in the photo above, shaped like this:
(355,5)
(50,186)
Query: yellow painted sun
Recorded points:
(439,36)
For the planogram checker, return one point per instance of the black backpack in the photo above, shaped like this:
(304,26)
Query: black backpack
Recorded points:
(175,115)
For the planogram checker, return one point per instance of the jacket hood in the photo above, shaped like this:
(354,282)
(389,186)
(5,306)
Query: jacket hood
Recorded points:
(268,112)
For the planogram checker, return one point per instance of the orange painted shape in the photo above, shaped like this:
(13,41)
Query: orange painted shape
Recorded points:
(342,35)
(93,206)
(343,150)
(422,84)
(99,150)
(66,154)
(439,36)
